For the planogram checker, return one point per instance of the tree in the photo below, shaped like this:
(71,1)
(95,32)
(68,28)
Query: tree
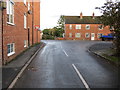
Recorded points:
(60,26)
(111,17)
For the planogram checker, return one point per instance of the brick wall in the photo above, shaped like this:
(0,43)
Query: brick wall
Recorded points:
(17,33)
(93,29)
(36,21)
(0,37)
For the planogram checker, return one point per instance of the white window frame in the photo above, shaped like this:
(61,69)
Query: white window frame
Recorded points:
(99,27)
(78,36)
(88,35)
(98,35)
(78,26)
(12,49)
(70,35)
(87,26)
(25,2)
(10,12)
(25,21)
(25,43)
(70,26)
(28,6)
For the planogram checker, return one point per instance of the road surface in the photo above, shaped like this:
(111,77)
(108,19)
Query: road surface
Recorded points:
(67,64)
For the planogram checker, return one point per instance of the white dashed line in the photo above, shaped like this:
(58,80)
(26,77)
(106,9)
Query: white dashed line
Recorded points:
(63,50)
(81,78)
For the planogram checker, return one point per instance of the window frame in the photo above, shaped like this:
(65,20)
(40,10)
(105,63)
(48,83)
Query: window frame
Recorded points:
(98,35)
(12,49)
(25,2)
(86,34)
(70,35)
(99,27)
(70,26)
(25,21)
(86,27)
(10,12)
(77,36)
(78,27)
(25,43)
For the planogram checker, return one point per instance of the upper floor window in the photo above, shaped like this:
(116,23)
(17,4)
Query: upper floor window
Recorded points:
(28,5)
(70,27)
(25,21)
(10,11)
(78,26)
(87,27)
(100,27)
(24,2)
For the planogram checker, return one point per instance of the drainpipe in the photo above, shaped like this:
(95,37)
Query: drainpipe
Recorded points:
(32,22)
(2,7)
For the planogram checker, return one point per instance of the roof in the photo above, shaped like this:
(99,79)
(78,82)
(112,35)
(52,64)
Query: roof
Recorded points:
(84,20)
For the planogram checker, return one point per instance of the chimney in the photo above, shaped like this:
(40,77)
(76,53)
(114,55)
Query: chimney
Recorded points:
(81,15)
(93,15)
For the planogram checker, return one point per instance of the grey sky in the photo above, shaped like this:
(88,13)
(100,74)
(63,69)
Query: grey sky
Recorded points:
(52,9)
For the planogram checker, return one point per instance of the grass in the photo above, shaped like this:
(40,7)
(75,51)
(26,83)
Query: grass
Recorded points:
(110,55)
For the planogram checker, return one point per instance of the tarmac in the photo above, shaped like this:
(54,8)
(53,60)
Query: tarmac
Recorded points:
(10,71)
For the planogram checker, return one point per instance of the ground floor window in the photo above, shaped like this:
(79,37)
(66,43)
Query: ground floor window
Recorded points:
(99,35)
(10,49)
(77,35)
(25,43)
(87,35)
(70,35)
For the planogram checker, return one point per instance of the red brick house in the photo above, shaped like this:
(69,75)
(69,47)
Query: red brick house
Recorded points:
(84,28)
(19,32)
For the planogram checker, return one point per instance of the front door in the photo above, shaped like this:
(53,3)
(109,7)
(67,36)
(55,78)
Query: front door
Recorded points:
(92,36)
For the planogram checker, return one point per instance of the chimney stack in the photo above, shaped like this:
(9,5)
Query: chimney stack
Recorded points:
(81,15)
(93,15)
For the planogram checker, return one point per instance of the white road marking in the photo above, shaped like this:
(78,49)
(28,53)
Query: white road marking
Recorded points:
(22,70)
(65,53)
(63,50)
(81,78)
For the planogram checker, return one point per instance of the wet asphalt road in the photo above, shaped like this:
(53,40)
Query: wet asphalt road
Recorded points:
(52,67)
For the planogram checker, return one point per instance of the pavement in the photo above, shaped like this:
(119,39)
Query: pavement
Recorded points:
(10,70)
(61,64)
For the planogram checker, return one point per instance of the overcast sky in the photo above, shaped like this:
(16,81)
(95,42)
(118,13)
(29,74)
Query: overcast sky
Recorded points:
(52,9)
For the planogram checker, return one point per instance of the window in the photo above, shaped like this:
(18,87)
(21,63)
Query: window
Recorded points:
(70,27)
(99,35)
(10,49)
(70,34)
(87,27)
(25,21)
(77,35)
(111,28)
(87,35)
(24,2)
(28,6)
(25,43)
(100,27)
(78,26)
(10,12)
